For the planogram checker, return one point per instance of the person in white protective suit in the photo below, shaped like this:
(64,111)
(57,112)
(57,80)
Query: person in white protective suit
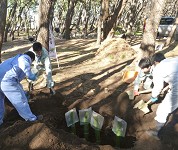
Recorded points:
(164,72)
(42,62)
(12,71)
(144,77)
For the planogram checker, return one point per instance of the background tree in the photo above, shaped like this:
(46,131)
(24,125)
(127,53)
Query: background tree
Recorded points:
(18,17)
(45,9)
(152,23)
(3,10)
(11,15)
(133,14)
(80,19)
(109,21)
(112,22)
(170,8)
(69,15)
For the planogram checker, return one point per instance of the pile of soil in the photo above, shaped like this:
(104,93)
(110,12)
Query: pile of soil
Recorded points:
(114,51)
(87,77)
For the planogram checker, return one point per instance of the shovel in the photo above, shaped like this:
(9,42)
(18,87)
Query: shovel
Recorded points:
(142,106)
(131,93)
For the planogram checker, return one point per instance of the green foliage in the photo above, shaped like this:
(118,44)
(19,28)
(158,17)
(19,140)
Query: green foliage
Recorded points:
(138,33)
(11,3)
(117,33)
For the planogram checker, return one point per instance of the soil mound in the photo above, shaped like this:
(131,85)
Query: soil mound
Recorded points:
(115,50)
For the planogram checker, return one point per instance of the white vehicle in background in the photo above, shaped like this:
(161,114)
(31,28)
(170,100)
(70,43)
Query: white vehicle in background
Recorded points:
(165,26)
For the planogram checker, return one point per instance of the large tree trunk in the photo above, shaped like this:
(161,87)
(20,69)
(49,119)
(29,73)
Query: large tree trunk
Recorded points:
(99,31)
(44,21)
(20,19)
(69,16)
(3,10)
(110,22)
(79,19)
(149,36)
(9,20)
(114,17)
(105,13)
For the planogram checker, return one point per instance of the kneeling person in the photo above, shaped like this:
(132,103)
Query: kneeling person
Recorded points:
(144,77)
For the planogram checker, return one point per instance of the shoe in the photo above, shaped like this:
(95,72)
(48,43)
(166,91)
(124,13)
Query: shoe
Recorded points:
(52,91)
(38,118)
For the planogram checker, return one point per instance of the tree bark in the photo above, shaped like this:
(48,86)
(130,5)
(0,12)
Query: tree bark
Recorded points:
(105,13)
(10,18)
(44,21)
(98,42)
(110,22)
(79,18)
(3,11)
(69,15)
(149,36)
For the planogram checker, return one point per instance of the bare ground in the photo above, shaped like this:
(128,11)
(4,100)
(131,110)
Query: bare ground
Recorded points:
(89,76)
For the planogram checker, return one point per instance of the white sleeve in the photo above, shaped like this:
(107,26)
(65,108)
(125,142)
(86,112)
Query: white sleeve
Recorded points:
(158,82)
(137,80)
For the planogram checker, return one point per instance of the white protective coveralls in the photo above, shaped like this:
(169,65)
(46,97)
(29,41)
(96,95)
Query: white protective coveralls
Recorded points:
(145,78)
(166,71)
(44,63)
(12,71)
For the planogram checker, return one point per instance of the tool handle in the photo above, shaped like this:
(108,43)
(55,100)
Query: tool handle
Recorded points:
(148,102)
(150,90)
(165,89)
(145,91)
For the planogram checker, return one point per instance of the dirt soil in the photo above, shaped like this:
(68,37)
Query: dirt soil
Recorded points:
(88,76)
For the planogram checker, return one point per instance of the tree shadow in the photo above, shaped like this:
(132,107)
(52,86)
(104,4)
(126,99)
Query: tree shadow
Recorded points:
(80,85)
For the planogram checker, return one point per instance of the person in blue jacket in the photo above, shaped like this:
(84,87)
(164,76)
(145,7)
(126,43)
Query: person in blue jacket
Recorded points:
(12,71)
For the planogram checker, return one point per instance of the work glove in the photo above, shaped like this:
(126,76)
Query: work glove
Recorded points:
(136,93)
(40,68)
(32,77)
(154,99)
